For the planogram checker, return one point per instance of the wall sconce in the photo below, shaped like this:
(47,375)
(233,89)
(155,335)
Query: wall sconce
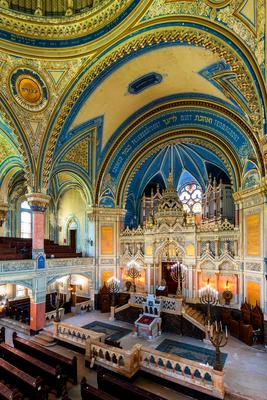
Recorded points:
(91,242)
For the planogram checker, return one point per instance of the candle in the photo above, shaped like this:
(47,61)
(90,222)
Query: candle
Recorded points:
(216,326)
(226,334)
(221,325)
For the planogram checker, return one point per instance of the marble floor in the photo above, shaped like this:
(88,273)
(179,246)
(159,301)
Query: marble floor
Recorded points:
(245,367)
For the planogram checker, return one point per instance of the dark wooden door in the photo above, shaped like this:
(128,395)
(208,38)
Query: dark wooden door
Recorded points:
(73,239)
(166,274)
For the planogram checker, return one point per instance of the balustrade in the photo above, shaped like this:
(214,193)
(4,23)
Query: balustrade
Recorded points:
(75,335)
(126,362)
(51,315)
(84,306)
(168,366)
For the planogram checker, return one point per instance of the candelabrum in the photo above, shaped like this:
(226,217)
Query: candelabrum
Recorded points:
(133,273)
(57,303)
(209,296)
(177,273)
(114,287)
(218,338)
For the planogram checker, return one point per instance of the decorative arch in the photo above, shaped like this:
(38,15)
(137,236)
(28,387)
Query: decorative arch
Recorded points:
(230,160)
(19,140)
(168,33)
(165,245)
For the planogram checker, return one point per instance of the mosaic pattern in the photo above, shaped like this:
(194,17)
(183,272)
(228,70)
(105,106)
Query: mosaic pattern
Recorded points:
(190,352)
(112,332)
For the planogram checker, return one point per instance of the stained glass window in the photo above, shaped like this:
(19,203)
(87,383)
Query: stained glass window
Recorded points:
(191,196)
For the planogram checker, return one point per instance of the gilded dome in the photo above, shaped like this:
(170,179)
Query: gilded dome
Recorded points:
(51,8)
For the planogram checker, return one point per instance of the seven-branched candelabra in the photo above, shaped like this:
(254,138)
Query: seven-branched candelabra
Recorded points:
(114,287)
(208,295)
(57,303)
(218,338)
(133,273)
(177,273)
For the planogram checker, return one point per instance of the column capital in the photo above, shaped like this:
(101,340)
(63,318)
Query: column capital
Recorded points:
(38,201)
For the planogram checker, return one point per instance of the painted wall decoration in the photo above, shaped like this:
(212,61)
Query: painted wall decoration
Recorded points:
(107,240)
(190,250)
(29,89)
(253,292)
(253,234)
(105,276)
(251,179)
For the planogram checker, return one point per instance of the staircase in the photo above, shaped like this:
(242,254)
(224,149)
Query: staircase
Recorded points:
(194,316)
(44,338)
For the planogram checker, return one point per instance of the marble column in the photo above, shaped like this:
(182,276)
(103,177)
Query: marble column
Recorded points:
(148,279)
(38,203)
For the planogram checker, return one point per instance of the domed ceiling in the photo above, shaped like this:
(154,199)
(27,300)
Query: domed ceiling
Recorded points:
(52,8)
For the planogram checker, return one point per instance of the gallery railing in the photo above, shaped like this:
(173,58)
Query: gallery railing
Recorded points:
(75,335)
(168,366)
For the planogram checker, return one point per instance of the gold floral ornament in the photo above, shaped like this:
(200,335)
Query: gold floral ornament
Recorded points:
(28,89)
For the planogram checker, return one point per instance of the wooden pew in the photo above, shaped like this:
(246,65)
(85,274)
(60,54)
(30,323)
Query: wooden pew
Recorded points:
(68,365)
(30,386)
(52,376)
(2,335)
(122,389)
(9,394)
(88,392)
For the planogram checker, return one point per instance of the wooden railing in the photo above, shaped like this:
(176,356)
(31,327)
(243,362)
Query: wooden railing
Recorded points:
(75,335)
(168,366)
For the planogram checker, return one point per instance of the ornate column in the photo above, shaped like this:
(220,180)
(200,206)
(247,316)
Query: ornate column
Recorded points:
(190,282)
(148,279)
(38,203)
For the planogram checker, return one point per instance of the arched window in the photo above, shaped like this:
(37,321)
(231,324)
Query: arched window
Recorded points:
(25,220)
(191,197)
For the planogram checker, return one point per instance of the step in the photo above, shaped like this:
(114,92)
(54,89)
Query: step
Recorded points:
(44,338)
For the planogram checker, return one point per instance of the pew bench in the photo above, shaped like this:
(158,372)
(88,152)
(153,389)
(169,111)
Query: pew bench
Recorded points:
(123,389)
(53,377)
(27,384)
(88,392)
(9,394)
(68,365)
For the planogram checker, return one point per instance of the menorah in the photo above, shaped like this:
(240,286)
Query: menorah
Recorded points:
(133,273)
(57,303)
(114,287)
(209,296)
(178,275)
(218,338)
